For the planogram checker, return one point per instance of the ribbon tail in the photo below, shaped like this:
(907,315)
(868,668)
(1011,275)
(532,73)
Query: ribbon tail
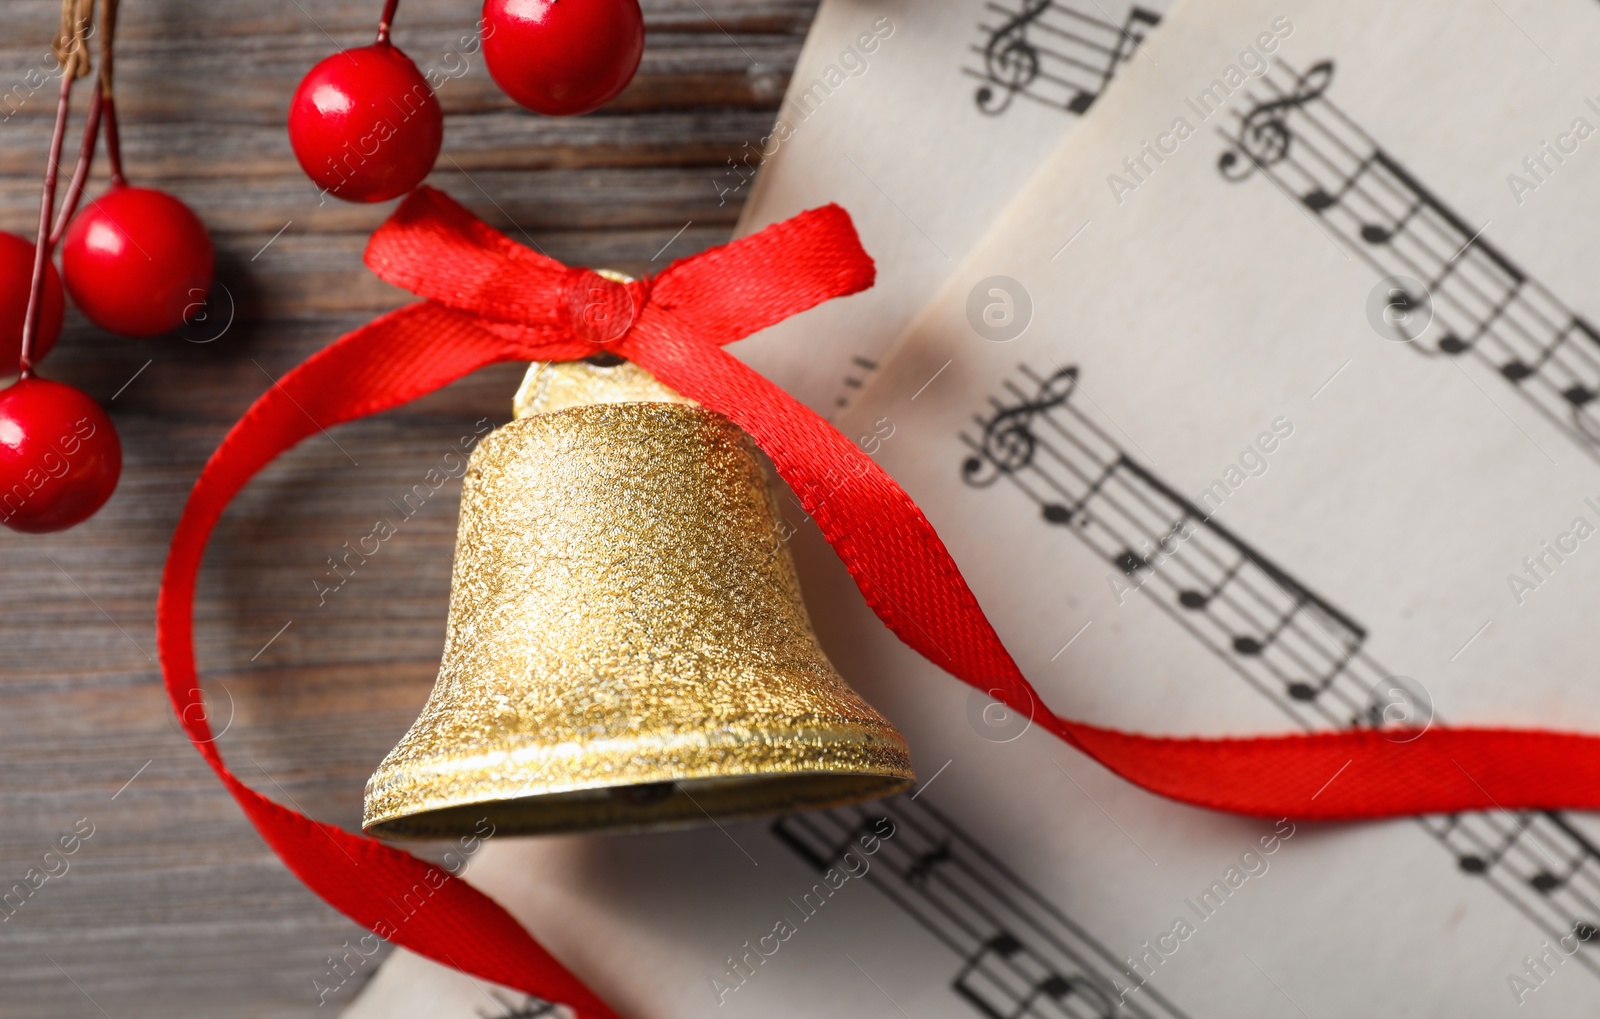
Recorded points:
(397,358)
(1359,774)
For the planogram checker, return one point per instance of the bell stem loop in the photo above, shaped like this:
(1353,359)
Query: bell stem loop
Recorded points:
(550,386)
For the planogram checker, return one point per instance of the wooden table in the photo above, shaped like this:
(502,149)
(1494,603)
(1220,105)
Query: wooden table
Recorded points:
(173,906)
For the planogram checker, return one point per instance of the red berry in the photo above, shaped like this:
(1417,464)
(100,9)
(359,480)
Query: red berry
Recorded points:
(562,56)
(59,456)
(365,125)
(16,276)
(137,261)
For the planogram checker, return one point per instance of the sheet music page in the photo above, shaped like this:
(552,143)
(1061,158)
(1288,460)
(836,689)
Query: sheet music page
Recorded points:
(1270,404)
(1210,469)
(922,119)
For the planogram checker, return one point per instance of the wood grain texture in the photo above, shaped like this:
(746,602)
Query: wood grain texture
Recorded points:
(174,907)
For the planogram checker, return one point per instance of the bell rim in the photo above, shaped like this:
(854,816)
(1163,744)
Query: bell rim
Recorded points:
(407,786)
(788,792)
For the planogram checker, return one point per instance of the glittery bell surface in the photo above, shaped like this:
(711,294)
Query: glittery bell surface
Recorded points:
(627,645)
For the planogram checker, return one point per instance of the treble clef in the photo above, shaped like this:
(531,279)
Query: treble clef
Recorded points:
(1008,440)
(1264,137)
(1009,59)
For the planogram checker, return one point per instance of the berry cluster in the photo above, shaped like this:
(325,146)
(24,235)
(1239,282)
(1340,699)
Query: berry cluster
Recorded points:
(136,261)
(366,126)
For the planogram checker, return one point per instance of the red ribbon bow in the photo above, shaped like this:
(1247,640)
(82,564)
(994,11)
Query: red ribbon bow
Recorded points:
(490,299)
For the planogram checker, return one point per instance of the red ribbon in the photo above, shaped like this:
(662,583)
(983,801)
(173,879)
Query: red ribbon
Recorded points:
(489,299)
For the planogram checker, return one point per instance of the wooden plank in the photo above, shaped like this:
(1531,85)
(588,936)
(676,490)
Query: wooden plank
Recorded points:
(173,906)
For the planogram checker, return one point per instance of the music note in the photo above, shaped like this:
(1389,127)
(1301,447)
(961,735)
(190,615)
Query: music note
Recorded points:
(1128,39)
(1252,646)
(1194,599)
(917,874)
(1061,513)
(1492,264)
(1009,59)
(1060,989)
(1546,880)
(1380,233)
(1473,864)
(1478,864)
(1008,440)
(1264,134)
(1319,199)
(1003,945)
(1004,1002)
(1300,689)
(1517,370)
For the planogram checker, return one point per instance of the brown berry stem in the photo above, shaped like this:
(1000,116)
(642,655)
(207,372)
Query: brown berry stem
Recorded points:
(101,102)
(108,38)
(72,52)
(41,247)
(386,20)
(80,173)
(113,142)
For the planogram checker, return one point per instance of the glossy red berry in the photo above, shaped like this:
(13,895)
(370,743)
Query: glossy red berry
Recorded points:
(137,261)
(59,456)
(16,276)
(365,125)
(562,56)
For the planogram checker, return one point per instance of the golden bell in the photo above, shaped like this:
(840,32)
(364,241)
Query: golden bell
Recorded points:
(627,646)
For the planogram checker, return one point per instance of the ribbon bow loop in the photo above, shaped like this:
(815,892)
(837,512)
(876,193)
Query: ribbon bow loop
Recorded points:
(438,250)
(740,288)
(432,246)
